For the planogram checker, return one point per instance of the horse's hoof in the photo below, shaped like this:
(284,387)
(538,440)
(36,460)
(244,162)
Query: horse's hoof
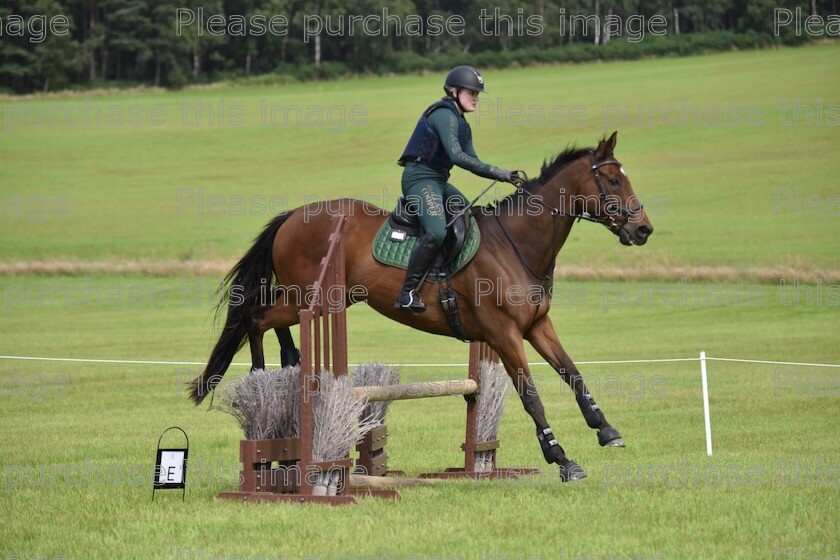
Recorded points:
(610,437)
(571,471)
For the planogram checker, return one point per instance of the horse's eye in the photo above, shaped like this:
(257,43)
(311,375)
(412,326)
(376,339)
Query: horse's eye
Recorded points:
(614,182)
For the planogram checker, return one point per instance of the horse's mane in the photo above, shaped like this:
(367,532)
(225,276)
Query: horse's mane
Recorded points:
(548,170)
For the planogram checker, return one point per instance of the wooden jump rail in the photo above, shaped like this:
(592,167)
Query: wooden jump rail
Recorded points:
(384,393)
(284,469)
(373,458)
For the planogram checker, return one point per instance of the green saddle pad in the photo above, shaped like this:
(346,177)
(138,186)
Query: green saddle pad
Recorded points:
(396,253)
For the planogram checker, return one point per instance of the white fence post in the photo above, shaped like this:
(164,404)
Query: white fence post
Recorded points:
(706,417)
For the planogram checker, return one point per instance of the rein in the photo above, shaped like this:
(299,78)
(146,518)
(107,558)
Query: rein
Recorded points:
(545,277)
(556,212)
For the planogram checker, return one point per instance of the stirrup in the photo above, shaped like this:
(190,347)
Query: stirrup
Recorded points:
(414,303)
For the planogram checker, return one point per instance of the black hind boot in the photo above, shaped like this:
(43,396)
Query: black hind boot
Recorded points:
(420,261)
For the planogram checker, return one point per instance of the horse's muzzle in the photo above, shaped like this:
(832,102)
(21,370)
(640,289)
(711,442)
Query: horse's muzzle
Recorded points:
(637,236)
(642,233)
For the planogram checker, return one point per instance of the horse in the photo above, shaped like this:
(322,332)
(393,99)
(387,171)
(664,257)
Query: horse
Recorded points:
(520,238)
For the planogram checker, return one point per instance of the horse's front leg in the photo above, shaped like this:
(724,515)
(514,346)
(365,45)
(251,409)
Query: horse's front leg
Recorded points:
(543,338)
(512,354)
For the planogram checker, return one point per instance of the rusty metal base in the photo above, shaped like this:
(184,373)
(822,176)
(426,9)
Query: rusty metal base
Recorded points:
(376,492)
(349,498)
(294,498)
(495,474)
(386,473)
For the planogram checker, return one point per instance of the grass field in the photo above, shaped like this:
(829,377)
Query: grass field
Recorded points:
(78,439)
(170,206)
(702,138)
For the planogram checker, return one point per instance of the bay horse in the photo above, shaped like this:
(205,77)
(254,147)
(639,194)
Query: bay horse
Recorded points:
(520,238)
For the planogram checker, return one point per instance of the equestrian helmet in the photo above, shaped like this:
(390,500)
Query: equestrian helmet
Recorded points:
(464,77)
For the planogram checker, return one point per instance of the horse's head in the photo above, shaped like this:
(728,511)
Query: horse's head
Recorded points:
(608,197)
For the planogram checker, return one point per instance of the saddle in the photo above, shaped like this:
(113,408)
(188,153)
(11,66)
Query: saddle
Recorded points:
(405,223)
(400,234)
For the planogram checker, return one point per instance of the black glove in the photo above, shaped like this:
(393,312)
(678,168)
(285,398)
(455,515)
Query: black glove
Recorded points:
(500,174)
(517,178)
(514,177)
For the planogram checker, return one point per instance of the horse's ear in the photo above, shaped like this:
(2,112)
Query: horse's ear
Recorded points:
(606,147)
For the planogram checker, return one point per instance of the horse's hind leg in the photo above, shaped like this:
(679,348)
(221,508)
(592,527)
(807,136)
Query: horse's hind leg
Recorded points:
(543,338)
(255,340)
(278,317)
(289,354)
(513,357)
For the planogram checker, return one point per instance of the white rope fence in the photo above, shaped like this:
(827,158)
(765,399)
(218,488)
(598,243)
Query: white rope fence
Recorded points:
(453,364)
(703,359)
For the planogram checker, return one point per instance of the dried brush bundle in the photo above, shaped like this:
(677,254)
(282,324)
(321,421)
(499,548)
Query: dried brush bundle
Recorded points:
(335,416)
(490,406)
(337,424)
(375,374)
(265,403)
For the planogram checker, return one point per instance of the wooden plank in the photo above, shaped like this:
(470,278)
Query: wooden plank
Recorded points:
(378,438)
(270,480)
(327,466)
(483,446)
(268,450)
(381,393)
(379,464)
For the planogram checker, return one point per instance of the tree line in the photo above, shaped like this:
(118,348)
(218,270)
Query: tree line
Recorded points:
(55,44)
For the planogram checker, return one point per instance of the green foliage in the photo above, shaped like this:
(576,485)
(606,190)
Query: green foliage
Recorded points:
(135,41)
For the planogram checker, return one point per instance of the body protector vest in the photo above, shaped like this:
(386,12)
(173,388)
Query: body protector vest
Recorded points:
(424,144)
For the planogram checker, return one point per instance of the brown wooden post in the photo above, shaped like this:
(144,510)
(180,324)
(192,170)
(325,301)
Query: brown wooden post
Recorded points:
(340,316)
(308,320)
(326,323)
(469,442)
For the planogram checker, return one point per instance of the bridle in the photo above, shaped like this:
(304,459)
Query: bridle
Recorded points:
(608,220)
(612,208)
(602,195)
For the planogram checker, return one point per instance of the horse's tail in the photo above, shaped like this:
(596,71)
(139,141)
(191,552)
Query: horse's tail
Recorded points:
(240,291)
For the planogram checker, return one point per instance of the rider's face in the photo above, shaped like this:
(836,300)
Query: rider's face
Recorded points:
(468,99)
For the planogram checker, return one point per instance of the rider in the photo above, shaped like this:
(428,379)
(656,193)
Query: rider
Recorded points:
(441,140)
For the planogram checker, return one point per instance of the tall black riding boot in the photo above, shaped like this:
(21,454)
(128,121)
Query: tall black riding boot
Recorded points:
(420,261)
